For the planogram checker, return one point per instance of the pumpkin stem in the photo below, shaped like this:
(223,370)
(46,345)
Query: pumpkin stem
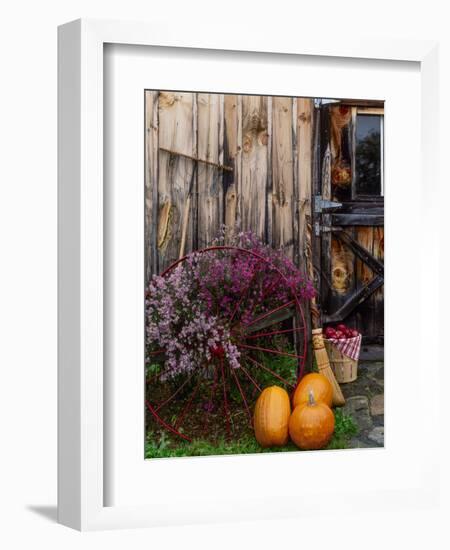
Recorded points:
(312,401)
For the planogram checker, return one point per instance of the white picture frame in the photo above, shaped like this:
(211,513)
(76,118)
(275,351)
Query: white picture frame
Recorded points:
(81,481)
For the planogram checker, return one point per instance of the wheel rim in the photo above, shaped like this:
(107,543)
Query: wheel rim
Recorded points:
(212,401)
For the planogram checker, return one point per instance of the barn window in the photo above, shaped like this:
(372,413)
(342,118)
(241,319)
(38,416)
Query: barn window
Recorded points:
(368,153)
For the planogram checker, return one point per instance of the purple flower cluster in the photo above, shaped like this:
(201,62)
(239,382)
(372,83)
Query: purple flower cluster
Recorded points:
(260,279)
(179,322)
(192,311)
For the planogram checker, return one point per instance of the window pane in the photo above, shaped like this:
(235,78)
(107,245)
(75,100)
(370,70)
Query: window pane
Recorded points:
(368,155)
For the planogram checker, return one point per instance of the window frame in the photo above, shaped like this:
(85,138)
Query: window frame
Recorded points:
(368,111)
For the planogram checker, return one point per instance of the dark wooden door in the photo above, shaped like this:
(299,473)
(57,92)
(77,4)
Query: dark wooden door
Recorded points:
(348,215)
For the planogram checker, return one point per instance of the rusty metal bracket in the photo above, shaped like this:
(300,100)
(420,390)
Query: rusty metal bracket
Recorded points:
(319,228)
(323,205)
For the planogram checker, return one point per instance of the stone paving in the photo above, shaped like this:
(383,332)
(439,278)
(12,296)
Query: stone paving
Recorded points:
(365,402)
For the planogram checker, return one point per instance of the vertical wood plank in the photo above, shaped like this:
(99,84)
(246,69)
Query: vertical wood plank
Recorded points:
(210,147)
(221,146)
(342,270)
(337,260)
(231,158)
(304,151)
(283,198)
(270,175)
(353,319)
(151,183)
(194,210)
(378,296)
(352,280)
(325,237)
(296,191)
(303,119)
(364,236)
(314,242)
(254,171)
(238,161)
(175,133)
(353,151)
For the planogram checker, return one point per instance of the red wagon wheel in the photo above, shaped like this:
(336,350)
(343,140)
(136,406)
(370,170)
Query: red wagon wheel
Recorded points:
(263,321)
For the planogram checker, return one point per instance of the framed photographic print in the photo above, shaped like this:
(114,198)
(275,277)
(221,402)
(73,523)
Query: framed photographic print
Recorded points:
(227,302)
(258,207)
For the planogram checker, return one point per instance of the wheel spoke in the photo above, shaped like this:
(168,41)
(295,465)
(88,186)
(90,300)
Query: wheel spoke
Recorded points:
(225,399)
(249,376)
(241,391)
(157,352)
(165,424)
(159,407)
(273,333)
(176,405)
(271,312)
(211,397)
(154,376)
(268,350)
(261,366)
(179,419)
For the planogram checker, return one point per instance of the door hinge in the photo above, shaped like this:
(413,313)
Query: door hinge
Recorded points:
(319,228)
(321,102)
(323,205)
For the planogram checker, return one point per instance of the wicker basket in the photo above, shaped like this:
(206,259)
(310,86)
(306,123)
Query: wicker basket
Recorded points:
(345,369)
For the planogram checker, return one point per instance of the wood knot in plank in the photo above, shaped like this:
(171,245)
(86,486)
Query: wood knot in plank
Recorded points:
(247,143)
(263,138)
(166,100)
(165,215)
(303,118)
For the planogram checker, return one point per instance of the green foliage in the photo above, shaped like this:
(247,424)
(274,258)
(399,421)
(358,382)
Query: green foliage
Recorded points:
(345,428)
(246,445)
(165,445)
(161,444)
(286,367)
(151,369)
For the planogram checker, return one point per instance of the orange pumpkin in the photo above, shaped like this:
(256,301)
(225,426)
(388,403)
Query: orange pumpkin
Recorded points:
(271,417)
(318,384)
(311,425)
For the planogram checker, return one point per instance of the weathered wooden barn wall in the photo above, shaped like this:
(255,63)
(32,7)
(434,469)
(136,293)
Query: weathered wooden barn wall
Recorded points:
(343,274)
(272,145)
(267,142)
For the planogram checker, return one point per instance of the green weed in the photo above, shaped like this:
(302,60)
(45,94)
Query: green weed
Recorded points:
(166,445)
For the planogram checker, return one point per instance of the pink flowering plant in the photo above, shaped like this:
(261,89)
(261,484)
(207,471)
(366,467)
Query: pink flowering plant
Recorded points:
(194,311)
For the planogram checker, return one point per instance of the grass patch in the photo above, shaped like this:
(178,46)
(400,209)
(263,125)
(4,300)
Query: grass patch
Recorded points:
(167,446)
(344,429)
(162,444)
(286,367)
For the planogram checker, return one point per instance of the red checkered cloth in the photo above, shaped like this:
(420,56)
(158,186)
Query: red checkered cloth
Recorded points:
(348,346)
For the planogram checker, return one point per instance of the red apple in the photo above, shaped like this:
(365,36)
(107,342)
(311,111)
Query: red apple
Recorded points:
(355,333)
(339,335)
(341,327)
